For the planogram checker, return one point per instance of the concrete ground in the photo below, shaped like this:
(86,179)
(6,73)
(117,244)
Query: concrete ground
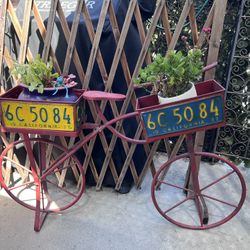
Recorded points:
(107,220)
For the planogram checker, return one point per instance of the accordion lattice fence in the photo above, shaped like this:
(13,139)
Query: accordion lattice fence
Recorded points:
(214,19)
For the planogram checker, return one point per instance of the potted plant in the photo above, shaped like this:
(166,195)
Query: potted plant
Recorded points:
(40,82)
(173,76)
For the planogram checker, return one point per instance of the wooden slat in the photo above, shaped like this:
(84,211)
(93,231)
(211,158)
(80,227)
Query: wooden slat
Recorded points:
(208,23)
(13,156)
(215,39)
(10,64)
(72,38)
(91,162)
(50,28)
(193,24)
(141,30)
(2,32)
(3,11)
(66,31)
(166,25)
(8,59)
(145,46)
(17,27)
(117,35)
(43,33)
(96,42)
(140,60)
(128,160)
(25,31)
(120,46)
(8,169)
(91,34)
(67,161)
(179,26)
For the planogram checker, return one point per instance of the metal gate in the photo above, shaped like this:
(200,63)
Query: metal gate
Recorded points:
(234,139)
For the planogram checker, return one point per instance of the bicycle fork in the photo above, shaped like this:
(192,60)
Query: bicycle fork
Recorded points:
(40,216)
(192,182)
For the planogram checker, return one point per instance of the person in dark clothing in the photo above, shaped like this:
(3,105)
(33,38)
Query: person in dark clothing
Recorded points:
(108,46)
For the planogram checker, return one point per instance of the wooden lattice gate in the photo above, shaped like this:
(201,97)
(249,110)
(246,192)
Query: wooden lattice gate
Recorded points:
(214,19)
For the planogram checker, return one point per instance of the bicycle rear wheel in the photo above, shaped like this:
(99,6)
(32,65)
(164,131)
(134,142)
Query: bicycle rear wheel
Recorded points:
(221,195)
(57,190)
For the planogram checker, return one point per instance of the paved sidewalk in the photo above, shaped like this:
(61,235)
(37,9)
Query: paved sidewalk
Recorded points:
(107,220)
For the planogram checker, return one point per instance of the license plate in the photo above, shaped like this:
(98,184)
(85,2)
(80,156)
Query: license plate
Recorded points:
(38,116)
(184,117)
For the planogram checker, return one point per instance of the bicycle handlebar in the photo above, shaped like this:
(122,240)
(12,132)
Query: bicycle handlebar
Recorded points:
(210,66)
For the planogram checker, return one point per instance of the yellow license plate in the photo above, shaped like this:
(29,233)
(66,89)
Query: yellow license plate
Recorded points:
(38,116)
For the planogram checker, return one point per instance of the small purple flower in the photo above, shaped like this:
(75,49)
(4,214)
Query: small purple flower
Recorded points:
(71,76)
(207,30)
(184,38)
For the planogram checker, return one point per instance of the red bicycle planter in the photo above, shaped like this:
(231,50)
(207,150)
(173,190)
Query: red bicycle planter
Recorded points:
(192,196)
(42,177)
(32,184)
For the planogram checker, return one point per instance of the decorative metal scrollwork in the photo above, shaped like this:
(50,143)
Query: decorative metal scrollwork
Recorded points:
(234,139)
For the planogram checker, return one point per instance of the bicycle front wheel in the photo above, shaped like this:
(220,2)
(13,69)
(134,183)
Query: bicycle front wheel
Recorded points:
(221,193)
(55,190)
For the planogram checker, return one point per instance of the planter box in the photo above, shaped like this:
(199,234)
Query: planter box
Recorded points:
(203,112)
(60,118)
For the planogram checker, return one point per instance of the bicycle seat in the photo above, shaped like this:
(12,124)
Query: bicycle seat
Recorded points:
(94,95)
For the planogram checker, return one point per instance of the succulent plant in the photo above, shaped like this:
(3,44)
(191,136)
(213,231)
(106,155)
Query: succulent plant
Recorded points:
(38,75)
(172,74)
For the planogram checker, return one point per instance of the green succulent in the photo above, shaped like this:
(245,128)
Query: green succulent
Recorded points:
(37,75)
(172,74)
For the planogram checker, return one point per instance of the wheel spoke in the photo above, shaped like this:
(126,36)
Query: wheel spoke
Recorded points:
(214,182)
(172,185)
(176,205)
(221,201)
(56,172)
(61,169)
(51,168)
(21,185)
(61,188)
